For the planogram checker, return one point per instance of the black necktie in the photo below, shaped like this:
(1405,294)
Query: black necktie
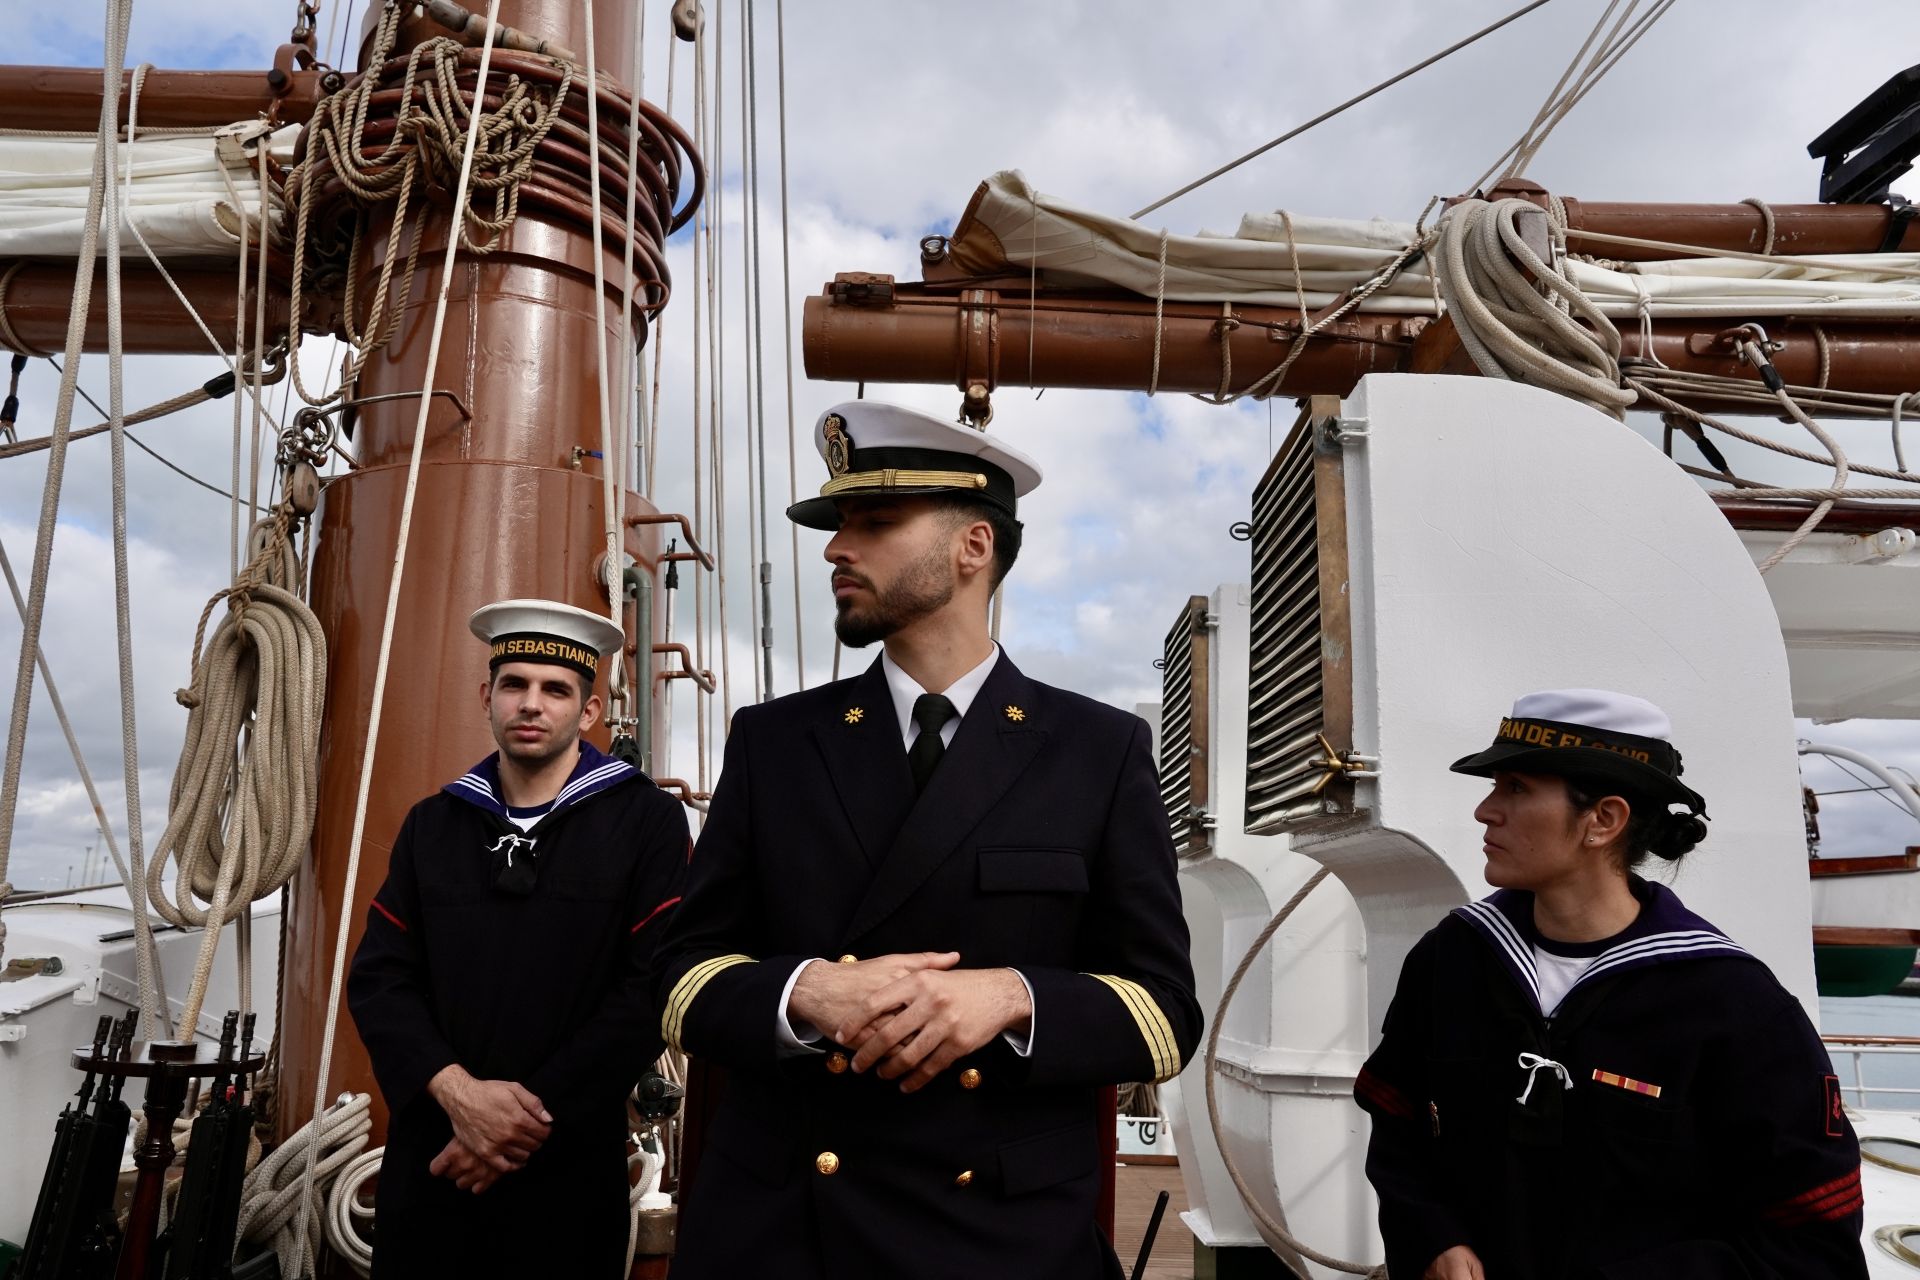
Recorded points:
(930,712)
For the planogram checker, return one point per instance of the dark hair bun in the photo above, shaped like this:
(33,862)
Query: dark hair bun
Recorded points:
(1676,835)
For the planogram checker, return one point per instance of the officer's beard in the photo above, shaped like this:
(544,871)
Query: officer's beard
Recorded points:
(923,587)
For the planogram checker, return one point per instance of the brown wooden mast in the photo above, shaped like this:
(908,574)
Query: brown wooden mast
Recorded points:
(510,494)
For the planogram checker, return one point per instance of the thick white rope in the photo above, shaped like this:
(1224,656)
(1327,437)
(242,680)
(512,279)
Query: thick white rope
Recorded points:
(396,578)
(1272,1225)
(350,1210)
(144,953)
(246,788)
(272,1196)
(1493,282)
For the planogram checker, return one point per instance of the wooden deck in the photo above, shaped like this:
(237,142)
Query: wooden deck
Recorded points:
(1135,1187)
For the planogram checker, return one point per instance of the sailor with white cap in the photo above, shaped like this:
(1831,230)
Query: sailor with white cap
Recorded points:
(933,909)
(501,983)
(1579,1077)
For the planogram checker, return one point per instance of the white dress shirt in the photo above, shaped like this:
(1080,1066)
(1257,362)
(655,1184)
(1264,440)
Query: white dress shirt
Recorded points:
(791,1039)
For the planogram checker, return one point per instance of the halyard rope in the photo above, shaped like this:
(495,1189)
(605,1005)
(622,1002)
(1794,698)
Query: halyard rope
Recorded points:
(395,579)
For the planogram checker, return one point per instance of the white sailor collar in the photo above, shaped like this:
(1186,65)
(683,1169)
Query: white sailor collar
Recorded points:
(594,772)
(1665,932)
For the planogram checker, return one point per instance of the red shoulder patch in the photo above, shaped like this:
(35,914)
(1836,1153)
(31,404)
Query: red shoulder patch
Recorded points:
(1836,1113)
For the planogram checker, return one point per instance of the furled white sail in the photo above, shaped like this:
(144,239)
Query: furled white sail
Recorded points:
(190,195)
(1292,260)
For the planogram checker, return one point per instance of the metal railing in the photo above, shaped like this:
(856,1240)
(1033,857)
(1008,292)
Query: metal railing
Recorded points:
(1857,1049)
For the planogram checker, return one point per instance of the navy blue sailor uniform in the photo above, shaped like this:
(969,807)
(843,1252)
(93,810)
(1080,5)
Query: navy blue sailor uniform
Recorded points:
(520,955)
(1038,844)
(1677,1116)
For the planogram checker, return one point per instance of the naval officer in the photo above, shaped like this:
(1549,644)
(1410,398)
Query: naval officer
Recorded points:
(501,987)
(933,910)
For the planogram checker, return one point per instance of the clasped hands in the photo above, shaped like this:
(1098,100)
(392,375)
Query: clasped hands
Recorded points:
(912,1016)
(497,1125)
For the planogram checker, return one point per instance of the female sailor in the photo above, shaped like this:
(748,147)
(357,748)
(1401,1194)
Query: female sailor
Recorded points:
(1579,1078)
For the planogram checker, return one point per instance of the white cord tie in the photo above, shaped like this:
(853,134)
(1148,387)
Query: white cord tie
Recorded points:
(1532,1062)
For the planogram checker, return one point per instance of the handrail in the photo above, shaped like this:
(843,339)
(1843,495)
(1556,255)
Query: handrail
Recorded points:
(1902,790)
(1857,1047)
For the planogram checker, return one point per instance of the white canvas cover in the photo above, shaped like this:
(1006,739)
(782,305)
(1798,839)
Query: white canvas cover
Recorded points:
(183,199)
(1009,221)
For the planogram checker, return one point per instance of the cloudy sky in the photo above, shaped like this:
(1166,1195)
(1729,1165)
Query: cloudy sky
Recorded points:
(895,111)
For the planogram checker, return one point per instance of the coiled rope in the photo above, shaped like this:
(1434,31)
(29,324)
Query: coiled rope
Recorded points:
(1272,1225)
(270,1198)
(245,789)
(1492,281)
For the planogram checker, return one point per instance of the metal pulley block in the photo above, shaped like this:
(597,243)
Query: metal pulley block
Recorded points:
(687,19)
(303,488)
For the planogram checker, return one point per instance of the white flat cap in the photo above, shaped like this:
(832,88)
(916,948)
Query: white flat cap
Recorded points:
(872,448)
(544,631)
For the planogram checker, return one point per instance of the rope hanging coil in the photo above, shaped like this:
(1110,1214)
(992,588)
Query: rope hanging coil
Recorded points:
(244,793)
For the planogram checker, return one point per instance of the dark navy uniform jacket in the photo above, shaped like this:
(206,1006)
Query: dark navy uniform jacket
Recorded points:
(547,986)
(1702,1137)
(1040,843)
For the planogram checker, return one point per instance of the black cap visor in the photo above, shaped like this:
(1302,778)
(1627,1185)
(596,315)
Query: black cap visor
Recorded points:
(1637,766)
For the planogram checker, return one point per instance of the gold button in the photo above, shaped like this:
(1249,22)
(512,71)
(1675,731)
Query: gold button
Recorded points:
(836,1063)
(970,1079)
(849,959)
(965,1178)
(827,1162)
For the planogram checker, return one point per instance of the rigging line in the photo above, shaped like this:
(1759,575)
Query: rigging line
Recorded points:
(700,349)
(658,334)
(759,358)
(259,348)
(612,460)
(1553,97)
(748,295)
(786,304)
(1603,62)
(456,214)
(1354,101)
(716,320)
(120,20)
(143,446)
(136,898)
(634,442)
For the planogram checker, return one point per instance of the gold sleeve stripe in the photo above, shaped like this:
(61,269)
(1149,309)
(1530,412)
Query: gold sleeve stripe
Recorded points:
(687,988)
(1154,1028)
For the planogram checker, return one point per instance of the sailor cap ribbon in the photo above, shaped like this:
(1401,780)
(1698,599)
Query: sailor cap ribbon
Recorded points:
(1616,737)
(544,631)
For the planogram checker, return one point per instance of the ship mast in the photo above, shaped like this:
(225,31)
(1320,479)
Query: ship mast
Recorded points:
(510,496)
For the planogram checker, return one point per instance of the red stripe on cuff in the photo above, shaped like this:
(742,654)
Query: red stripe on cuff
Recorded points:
(1369,1087)
(651,914)
(1817,1201)
(398,923)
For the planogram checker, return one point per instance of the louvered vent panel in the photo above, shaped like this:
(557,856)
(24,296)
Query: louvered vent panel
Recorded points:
(1285,713)
(1183,727)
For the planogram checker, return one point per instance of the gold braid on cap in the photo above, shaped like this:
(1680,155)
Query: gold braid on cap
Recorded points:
(896,478)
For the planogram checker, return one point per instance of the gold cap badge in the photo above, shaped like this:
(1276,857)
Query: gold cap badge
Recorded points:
(839,445)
